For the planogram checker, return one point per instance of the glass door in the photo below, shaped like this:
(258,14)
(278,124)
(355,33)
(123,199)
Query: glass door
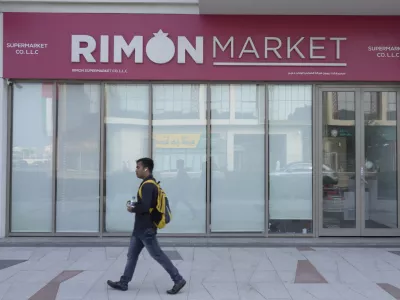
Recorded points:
(338,181)
(357,182)
(379,169)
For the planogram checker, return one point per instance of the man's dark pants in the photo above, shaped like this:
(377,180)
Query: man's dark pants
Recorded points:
(149,240)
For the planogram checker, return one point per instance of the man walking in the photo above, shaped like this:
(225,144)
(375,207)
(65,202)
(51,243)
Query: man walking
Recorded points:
(144,232)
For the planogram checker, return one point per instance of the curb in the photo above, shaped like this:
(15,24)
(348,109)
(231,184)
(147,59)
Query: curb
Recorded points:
(207,242)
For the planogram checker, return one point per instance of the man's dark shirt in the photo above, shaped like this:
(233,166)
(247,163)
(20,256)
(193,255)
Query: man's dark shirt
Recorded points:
(143,219)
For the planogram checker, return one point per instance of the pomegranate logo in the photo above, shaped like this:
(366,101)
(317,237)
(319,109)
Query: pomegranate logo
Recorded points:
(160,49)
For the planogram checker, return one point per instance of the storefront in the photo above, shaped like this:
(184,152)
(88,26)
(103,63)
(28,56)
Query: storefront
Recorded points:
(259,125)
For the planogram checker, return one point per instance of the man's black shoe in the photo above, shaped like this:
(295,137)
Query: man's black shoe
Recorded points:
(177,287)
(118,285)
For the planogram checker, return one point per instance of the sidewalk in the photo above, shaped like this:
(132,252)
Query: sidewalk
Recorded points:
(215,273)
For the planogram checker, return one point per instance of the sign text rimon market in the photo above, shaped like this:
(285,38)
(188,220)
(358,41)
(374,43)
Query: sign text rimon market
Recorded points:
(161,49)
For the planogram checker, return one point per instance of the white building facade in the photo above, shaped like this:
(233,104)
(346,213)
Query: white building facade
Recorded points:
(265,120)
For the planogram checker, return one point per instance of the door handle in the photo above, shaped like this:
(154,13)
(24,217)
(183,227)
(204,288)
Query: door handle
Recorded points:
(362,176)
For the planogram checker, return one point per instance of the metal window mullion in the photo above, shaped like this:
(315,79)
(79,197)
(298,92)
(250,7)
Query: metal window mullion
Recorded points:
(360,160)
(397,153)
(315,164)
(10,118)
(150,124)
(55,156)
(102,160)
(208,160)
(266,159)
(319,159)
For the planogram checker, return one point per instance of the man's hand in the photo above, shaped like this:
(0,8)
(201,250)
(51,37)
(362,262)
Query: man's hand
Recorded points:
(130,209)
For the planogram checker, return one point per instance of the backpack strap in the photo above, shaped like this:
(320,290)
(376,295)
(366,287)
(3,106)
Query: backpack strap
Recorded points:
(153,182)
(147,181)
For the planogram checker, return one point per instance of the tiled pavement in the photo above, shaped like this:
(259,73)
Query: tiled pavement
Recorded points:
(302,273)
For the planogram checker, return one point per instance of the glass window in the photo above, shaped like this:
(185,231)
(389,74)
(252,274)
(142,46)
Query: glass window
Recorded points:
(372,105)
(78,158)
(343,106)
(290,158)
(237,159)
(178,101)
(220,104)
(391,105)
(246,106)
(131,101)
(127,130)
(179,152)
(32,155)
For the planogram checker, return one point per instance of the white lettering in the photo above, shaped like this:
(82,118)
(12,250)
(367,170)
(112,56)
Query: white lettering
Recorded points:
(338,39)
(120,45)
(161,48)
(223,48)
(104,49)
(314,47)
(26,45)
(290,49)
(253,49)
(196,53)
(27,52)
(77,51)
(388,55)
(273,49)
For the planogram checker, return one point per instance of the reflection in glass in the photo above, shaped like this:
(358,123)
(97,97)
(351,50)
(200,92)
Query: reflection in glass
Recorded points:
(380,176)
(127,128)
(179,151)
(339,148)
(290,158)
(220,104)
(78,158)
(32,155)
(237,158)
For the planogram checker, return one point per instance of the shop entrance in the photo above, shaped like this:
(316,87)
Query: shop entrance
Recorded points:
(357,142)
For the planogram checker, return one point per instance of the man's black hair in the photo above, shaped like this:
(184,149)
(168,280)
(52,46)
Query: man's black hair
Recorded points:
(147,163)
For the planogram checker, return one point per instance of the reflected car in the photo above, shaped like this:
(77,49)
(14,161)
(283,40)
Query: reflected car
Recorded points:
(330,177)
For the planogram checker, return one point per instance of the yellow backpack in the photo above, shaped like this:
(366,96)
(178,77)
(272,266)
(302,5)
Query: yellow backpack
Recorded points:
(161,214)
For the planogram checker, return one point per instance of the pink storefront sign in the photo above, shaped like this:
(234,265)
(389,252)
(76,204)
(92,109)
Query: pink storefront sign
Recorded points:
(196,47)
